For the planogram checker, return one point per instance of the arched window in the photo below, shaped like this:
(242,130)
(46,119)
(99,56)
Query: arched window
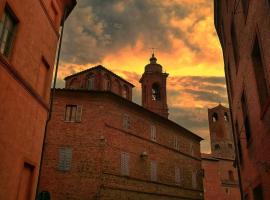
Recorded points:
(106,82)
(155,92)
(90,82)
(214,117)
(231,177)
(226,118)
(125,92)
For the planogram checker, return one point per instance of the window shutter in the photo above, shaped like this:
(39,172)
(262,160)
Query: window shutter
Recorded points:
(194,179)
(79,113)
(124,164)
(177,175)
(153,171)
(153,133)
(175,143)
(65,157)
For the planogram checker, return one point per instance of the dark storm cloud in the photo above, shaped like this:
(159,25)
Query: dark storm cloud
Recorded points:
(99,27)
(206,96)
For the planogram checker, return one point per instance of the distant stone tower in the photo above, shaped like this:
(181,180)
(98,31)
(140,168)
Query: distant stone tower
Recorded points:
(222,145)
(153,83)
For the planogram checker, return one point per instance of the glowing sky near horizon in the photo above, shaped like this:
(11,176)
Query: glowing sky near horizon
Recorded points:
(119,34)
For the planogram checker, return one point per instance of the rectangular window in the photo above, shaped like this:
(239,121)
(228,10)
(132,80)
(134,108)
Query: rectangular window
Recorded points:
(239,146)
(235,45)
(7,31)
(153,171)
(73,113)
(177,175)
(229,80)
(124,164)
(246,117)
(259,72)
(126,122)
(258,193)
(176,143)
(153,133)
(65,157)
(194,179)
(245,4)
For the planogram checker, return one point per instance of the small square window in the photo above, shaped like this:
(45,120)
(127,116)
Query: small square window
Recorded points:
(73,113)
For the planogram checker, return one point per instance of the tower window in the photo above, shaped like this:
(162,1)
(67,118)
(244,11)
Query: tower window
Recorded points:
(259,74)
(226,118)
(214,117)
(91,82)
(230,146)
(156,92)
(7,31)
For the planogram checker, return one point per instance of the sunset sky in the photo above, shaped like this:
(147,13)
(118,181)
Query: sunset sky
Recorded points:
(119,34)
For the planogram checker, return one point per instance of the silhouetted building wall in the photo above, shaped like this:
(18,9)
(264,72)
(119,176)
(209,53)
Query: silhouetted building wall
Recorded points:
(243,29)
(28,43)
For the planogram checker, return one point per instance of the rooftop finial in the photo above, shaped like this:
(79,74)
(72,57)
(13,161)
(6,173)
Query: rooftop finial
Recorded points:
(153,59)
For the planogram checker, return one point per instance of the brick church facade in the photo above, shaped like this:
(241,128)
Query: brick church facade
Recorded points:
(220,175)
(243,30)
(101,145)
(29,34)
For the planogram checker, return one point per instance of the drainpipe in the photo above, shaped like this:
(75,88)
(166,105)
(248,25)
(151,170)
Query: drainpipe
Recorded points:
(236,150)
(51,98)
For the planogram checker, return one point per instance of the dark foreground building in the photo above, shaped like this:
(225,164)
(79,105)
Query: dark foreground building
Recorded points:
(243,29)
(101,145)
(29,34)
(220,175)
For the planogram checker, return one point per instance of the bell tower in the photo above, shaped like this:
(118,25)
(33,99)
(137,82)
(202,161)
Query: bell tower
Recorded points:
(222,145)
(153,83)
